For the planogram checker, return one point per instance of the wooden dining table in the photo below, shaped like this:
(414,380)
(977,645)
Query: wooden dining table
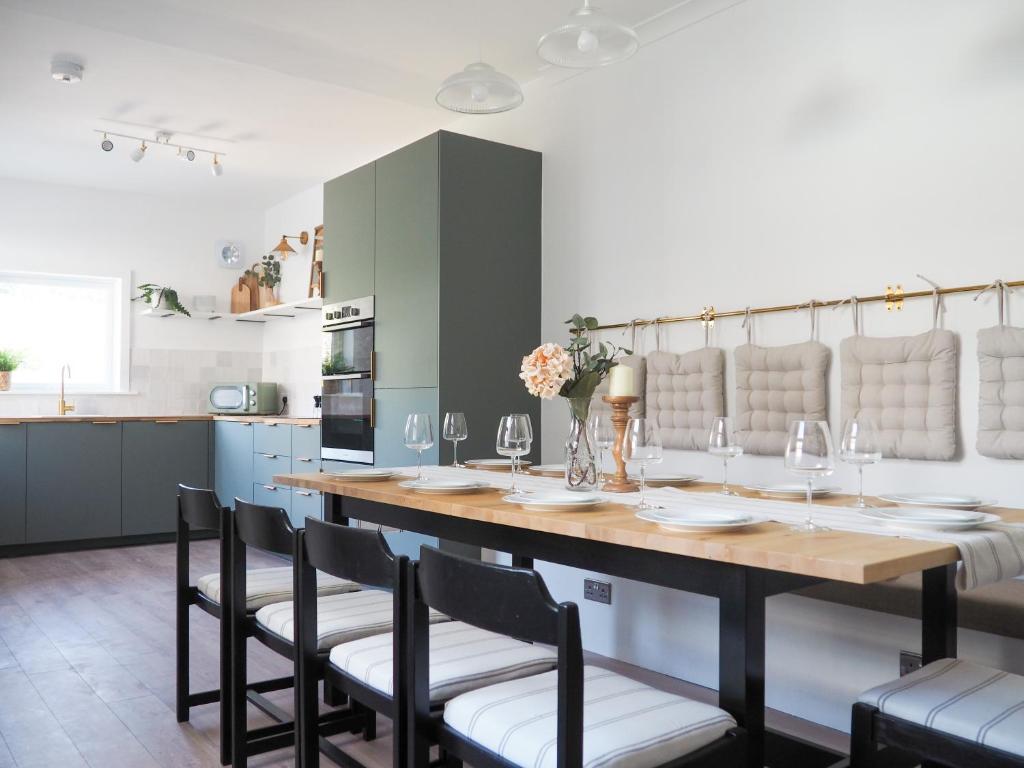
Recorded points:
(742,568)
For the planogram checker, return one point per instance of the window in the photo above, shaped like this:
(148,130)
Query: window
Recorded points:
(56,319)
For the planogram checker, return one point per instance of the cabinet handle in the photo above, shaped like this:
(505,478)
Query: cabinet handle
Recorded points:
(304,493)
(270,423)
(373,413)
(307,461)
(104,422)
(165,421)
(373,365)
(245,423)
(270,487)
(303,426)
(269,455)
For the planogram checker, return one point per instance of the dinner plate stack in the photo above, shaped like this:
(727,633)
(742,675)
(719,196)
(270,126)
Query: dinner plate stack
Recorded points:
(930,519)
(495,465)
(791,491)
(665,480)
(368,475)
(698,519)
(936,500)
(555,501)
(435,486)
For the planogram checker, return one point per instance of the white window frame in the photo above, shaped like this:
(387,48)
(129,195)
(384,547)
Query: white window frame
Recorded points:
(121,343)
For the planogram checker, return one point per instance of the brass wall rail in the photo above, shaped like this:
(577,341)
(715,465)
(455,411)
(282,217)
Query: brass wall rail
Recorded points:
(891,296)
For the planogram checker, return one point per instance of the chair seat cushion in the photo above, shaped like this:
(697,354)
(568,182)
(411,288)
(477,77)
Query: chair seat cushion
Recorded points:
(462,657)
(961,699)
(264,586)
(340,618)
(626,724)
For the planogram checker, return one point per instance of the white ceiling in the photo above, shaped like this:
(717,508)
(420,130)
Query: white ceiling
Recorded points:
(292,92)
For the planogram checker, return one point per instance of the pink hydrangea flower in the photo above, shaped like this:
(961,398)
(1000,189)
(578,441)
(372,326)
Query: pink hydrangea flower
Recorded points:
(545,370)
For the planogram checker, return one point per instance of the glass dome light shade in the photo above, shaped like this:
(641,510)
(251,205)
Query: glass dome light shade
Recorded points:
(588,39)
(479,89)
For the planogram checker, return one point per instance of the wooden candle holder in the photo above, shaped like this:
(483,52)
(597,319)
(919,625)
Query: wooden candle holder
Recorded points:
(619,482)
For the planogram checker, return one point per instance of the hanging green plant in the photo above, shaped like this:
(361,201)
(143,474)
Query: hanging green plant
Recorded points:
(166,298)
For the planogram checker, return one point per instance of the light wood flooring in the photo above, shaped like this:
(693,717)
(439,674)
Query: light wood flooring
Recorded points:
(87,667)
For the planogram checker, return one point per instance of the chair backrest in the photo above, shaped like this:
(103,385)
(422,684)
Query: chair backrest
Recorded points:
(356,554)
(199,508)
(266,528)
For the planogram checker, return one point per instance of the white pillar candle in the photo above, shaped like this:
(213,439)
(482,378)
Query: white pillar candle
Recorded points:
(620,381)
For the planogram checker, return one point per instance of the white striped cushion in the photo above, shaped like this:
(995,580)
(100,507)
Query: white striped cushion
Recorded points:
(626,724)
(264,586)
(462,657)
(961,699)
(340,618)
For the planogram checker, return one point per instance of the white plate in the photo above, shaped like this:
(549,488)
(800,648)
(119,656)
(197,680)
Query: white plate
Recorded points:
(790,490)
(443,486)
(548,470)
(555,501)
(698,520)
(497,465)
(929,519)
(936,500)
(659,479)
(365,475)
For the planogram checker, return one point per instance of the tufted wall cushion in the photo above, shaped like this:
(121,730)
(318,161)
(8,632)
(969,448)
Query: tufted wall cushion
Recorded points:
(639,366)
(777,385)
(684,393)
(907,387)
(1001,415)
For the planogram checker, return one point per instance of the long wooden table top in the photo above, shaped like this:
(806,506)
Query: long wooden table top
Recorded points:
(858,558)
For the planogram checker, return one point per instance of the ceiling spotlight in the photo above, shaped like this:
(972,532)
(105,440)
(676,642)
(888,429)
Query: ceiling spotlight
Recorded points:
(106,145)
(138,153)
(479,89)
(216,169)
(186,155)
(588,39)
(64,71)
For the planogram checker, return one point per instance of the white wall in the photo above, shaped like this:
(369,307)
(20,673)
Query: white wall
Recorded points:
(164,240)
(777,152)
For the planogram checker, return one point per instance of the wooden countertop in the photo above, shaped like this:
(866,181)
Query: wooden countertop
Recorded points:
(74,418)
(857,558)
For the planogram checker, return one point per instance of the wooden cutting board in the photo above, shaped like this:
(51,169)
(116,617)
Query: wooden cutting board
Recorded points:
(241,301)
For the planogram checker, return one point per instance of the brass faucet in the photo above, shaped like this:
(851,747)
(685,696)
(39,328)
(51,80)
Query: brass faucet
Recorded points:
(64,408)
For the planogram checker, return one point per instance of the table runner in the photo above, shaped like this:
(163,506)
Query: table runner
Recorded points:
(989,554)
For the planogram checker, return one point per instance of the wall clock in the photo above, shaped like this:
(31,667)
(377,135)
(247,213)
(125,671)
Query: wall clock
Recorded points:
(230,254)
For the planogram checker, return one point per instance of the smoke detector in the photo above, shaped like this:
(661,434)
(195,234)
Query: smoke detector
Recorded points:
(66,71)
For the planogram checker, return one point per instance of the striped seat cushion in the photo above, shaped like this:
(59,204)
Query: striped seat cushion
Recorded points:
(264,586)
(340,618)
(626,724)
(462,657)
(960,699)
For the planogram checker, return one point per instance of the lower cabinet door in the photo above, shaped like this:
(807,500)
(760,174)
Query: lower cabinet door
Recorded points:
(12,484)
(158,455)
(269,495)
(306,503)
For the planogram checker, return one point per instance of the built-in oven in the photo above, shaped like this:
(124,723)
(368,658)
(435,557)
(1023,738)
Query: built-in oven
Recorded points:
(347,367)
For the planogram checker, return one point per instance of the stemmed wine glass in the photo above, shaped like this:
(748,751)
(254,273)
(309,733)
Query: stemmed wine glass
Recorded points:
(722,442)
(602,431)
(859,446)
(455,429)
(809,455)
(515,434)
(642,446)
(419,436)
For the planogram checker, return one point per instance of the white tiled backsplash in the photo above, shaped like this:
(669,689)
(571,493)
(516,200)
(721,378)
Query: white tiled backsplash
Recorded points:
(297,373)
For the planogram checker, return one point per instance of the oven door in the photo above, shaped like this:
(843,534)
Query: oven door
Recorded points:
(346,423)
(347,349)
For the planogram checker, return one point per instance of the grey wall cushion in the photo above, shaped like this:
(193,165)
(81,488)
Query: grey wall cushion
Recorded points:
(777,385)
(684,393)
(907,386)
(639,366)
(1001,394)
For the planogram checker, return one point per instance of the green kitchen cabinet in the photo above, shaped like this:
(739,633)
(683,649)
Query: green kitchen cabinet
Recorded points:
(233,460)
(349,235)
(73,481)
(12,483)
(157,456)
(393,406)
(406,267)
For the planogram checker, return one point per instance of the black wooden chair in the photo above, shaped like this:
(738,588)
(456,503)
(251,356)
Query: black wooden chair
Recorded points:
(951,713)
(199,510)
(371,671)
(268,529)
(569,717)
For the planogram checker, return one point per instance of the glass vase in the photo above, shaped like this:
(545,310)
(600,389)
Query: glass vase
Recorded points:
(580,467)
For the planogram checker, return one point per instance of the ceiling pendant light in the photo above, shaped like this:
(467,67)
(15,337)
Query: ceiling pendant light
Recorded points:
(479,89)
(216,169)
(138,153)
(588,39)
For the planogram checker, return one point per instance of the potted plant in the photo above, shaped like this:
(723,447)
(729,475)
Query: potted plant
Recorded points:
(269,280)
(9,361)
(165,298)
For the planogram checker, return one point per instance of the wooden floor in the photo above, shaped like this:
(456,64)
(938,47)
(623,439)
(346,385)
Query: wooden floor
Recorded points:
(87,667)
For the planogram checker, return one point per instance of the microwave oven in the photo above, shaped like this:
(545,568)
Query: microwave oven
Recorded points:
(250,398)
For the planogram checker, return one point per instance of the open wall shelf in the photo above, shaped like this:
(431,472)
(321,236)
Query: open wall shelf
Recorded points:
(266,314)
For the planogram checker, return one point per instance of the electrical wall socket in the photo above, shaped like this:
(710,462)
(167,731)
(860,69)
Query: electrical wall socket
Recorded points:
(909,662)
(598,591)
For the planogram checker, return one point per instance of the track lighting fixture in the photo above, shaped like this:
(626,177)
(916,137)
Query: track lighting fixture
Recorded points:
(163,139)
(216,169)
(139,152)
(106,145)
(186,155)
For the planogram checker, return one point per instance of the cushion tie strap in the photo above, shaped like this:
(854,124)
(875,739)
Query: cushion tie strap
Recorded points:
(812,305)
(707,319)
(748,323)
(657,334)
(854,303)
(936,301)
(632,334)
(1001,289)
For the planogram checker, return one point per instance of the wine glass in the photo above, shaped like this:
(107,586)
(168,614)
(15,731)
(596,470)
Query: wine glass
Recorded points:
(642,446)
(419,436)
(722,442)
(809,455)
(602,431)
(515,433)
(455,429)
(859,446)
(524,418)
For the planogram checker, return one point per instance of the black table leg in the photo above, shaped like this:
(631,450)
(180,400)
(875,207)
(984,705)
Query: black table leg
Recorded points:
(332,509)
(741,630)
(938,613)
(522,561)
